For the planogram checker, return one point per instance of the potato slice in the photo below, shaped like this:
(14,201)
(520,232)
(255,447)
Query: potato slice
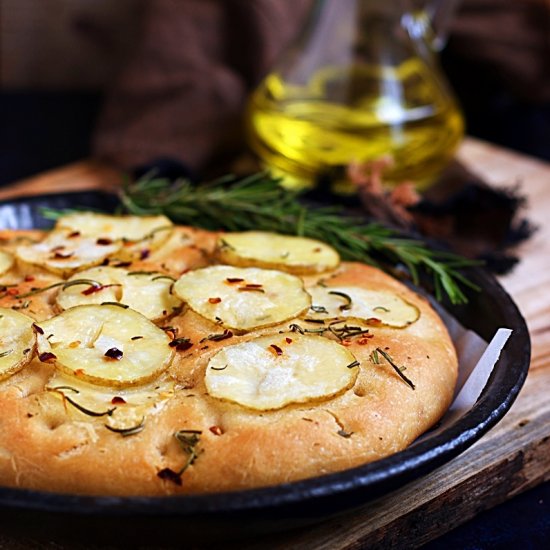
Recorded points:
(298,255)
(65,252)
(17,341)
(6,261)
(146,292)
(375,306)
(273,371)
(106,345)
(243,298)
(129,407)
(140,234)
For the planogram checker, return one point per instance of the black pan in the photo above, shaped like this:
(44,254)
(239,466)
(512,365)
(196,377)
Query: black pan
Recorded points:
(185,520)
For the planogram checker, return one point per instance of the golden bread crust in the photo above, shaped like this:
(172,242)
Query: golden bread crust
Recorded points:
(47,444)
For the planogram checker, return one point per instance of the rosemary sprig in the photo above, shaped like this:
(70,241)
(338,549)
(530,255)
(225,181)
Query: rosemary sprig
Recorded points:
(259,202)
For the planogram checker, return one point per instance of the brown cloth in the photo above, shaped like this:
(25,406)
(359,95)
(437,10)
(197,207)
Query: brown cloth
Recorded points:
(182,96)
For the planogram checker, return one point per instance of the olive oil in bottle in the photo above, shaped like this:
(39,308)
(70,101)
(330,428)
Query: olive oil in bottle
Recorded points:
(355,113)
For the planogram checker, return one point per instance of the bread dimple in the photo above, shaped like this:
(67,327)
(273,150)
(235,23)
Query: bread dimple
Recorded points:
(47,444)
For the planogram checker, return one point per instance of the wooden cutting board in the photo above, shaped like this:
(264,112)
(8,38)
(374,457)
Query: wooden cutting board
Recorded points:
(512,457)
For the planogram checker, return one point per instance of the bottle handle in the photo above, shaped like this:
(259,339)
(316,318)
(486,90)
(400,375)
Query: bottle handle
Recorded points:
(431,21)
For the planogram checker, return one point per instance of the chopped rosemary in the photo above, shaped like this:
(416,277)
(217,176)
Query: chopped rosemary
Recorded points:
(354,364)
(398,370)
(188,441)
(125,432)
(319,309)
(218,337)
(219,368)
(346,297)
(63,284)
(6,353)
(76,405)
(259,202)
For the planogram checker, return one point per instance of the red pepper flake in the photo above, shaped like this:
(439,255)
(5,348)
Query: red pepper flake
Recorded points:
(181,344)
(29,279)
(318,249)
(117,400)
(79,372)
(214,300)
(144,254)
(12,291)
(346,342)
(37,329)
(364,339)
(122,264)
(47,357)
(96,288)
(216,430)
(233,280)
(92,289)
(103,241)
(113,353)
(169,475)
(374,321)
(288,340)
(251,287)
(74,234)
(276,349)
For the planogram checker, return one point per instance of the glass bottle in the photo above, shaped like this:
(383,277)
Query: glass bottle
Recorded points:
(361,83)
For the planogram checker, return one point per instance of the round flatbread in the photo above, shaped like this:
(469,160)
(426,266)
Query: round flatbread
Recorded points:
(252,375)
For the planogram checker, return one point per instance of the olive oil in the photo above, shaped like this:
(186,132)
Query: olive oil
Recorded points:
(360,113)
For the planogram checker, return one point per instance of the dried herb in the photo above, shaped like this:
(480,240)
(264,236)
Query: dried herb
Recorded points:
(188,441)
(78,406)
(63,284)
(126,432)
(218,337)
(6,353)
(397,369)
(346,297)
(219,368)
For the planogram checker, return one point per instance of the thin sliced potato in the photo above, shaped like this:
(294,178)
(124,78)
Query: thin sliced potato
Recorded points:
(147,293)
(273,371)
(373,306)
(297,255)
(6,261)
(129,406)
(108,345)
(17,341)
(64,252)
(243,299)
(140,235)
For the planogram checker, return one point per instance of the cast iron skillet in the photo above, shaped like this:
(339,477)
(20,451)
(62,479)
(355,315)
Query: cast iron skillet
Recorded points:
(194,519)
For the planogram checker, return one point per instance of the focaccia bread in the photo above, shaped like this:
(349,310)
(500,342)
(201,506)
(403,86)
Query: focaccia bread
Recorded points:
(142,358)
